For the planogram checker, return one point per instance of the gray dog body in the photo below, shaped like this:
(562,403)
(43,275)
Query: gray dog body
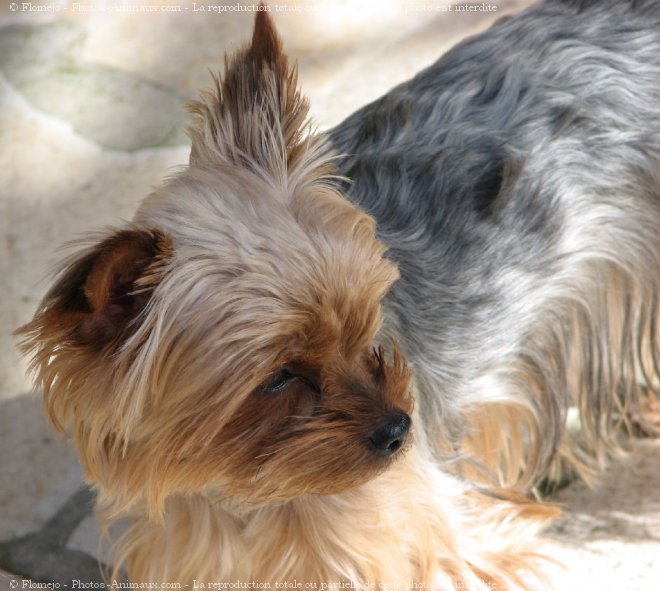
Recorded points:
(515,182)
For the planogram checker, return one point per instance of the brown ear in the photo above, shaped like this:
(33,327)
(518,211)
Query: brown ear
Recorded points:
(98,295)
(266,45)
(255,116)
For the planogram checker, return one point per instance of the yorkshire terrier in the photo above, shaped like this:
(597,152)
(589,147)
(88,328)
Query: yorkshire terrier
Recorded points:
(348,358)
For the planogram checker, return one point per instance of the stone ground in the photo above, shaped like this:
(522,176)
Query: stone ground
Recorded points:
(91,117)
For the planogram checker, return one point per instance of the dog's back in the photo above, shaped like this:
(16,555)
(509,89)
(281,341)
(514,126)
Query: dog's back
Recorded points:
(516,183)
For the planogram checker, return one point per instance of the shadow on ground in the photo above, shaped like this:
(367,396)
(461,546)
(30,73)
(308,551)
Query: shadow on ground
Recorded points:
(43,555)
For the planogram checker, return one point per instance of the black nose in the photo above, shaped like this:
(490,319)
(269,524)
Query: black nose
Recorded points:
(390,436)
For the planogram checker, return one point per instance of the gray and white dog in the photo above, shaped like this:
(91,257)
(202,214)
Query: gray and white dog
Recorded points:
(516,184)
(284,373)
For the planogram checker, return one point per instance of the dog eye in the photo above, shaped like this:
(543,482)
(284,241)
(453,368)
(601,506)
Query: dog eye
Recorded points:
(278,381)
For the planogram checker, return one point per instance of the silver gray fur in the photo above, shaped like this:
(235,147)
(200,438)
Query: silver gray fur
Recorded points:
(517,184)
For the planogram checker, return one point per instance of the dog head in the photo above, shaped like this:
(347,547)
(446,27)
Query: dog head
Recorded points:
(225,341)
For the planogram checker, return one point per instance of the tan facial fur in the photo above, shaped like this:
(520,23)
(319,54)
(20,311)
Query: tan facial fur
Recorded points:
(221,368)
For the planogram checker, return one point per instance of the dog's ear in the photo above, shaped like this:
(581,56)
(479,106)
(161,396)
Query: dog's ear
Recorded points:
(255,117)
(101,292)
(266,45)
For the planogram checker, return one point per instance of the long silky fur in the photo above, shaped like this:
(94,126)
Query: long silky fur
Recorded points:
(498,237)
(415,524)
(516,182)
